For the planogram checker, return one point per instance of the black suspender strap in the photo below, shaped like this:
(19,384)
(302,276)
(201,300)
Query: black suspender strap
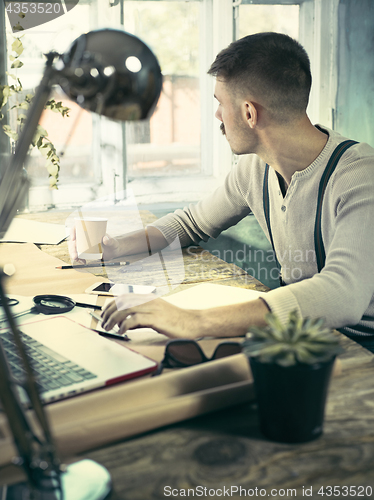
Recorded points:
(318,241)
(330,167)
(266,203)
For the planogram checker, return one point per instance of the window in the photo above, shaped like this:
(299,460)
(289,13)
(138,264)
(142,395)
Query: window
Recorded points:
(254,18)
(168,143)
(179,154)
(73,133)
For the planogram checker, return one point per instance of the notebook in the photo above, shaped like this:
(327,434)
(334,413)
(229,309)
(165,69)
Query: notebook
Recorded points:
(69,358)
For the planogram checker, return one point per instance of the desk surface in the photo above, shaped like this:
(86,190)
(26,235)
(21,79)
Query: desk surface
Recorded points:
(225,448)
(201,266)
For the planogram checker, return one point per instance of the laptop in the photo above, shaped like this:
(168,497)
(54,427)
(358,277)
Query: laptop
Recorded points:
(69,358)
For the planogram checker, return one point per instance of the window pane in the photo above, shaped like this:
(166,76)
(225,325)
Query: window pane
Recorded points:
(262,18)
(168,143)
(73,132)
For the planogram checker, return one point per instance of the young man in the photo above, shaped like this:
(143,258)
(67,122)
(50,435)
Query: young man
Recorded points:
(262,88)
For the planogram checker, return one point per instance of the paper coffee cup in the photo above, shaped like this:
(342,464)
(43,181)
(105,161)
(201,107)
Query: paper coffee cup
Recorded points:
(89,234)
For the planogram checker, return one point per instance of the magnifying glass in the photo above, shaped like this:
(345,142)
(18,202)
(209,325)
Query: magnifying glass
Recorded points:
(56,304)
(10,301)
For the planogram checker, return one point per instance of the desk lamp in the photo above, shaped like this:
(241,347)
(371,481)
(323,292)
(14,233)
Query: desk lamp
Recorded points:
(114,74)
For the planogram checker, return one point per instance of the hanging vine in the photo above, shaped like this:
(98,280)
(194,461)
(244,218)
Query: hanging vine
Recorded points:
(23,102)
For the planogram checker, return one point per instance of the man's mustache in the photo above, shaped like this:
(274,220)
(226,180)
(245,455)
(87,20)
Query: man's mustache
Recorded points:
(222,128)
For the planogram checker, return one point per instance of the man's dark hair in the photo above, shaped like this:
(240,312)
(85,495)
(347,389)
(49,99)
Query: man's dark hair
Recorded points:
(272,67)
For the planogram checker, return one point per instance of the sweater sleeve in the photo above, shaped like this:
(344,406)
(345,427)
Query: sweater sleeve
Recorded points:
(343,291)
(225,207)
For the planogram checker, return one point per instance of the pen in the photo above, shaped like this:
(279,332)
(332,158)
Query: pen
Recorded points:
(99,264)
(112,335)
(109,334)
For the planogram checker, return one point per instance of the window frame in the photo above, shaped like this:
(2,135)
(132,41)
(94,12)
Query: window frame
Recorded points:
(318,34)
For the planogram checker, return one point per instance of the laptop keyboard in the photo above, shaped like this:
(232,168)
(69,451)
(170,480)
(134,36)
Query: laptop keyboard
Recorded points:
(52,371)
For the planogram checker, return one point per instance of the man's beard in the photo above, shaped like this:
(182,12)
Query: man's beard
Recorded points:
(222,128)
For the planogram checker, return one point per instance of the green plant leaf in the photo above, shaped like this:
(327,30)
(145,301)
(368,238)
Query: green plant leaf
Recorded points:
(52,168)
(43,148)
(3,97)
(17,64)
(21,119)
(57,107)
(276,327)
(52,182)
(259,332)
(40,139)
(288,360)
(10,133)
(17,46)
(303,354)
(21,105)
(41,131)
(11,75)
(300,340)
(18,27)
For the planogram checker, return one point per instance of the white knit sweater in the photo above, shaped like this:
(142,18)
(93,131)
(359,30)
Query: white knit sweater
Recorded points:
(343,292)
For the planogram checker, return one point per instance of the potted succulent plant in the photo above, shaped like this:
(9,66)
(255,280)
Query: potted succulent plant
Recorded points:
(291,365)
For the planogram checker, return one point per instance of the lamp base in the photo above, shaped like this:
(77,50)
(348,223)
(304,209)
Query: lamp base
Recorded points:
(84,480)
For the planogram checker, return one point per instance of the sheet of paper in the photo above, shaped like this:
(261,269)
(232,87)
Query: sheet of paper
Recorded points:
(201,296)
(78,314)
(31,231)
(24,304)
(208,295)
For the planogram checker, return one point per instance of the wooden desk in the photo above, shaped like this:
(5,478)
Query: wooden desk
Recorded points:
(200,265)
(225,448)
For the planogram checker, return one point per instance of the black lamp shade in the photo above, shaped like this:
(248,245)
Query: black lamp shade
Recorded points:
(112,73)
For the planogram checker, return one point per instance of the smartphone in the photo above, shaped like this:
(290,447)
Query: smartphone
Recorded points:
(115,289)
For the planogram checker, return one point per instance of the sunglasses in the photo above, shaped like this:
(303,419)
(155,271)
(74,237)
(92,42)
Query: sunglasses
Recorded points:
(180,353)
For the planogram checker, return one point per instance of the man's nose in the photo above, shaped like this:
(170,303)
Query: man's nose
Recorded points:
(218,115)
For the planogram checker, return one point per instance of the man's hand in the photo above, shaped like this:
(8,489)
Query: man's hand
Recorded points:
(128,244)
(110,246)
(133,311)
(72,246)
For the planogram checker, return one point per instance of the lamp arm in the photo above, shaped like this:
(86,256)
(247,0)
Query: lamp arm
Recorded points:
(10,405)
(14,169)
(98,74)
(37,455)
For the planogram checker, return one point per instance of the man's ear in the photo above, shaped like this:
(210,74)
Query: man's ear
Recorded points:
(250,113)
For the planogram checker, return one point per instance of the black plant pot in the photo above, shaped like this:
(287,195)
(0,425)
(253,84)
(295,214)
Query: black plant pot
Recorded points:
(291,400)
